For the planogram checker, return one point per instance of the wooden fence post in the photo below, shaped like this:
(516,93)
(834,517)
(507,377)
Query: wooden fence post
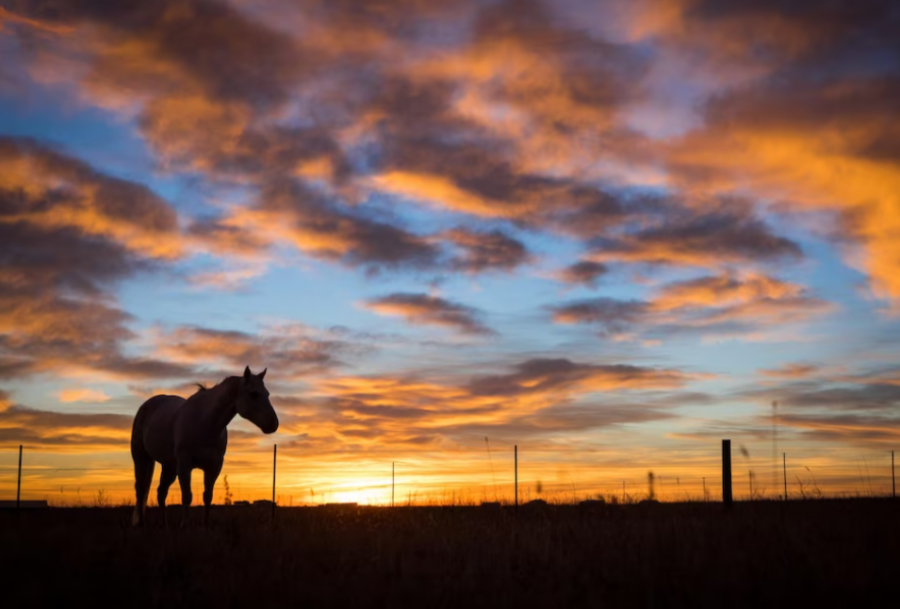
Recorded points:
(726,472)
(392,484)
(893,478)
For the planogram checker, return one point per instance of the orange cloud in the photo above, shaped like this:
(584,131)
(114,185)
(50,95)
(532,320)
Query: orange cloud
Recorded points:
(792,371)
(63,432)
(82,395)
(423,309)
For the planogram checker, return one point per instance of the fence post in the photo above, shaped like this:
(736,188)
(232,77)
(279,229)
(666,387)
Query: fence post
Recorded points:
(726,472)
(893,478)
(19,484)
(516,467)
(274,467)
(392,484)
(751,485)
(784,469)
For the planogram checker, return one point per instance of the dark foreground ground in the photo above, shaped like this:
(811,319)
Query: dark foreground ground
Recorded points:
(828,553)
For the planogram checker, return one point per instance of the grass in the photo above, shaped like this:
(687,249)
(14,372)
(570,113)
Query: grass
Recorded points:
(689,554)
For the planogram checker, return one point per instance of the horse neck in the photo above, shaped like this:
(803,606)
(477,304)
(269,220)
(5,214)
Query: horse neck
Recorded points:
(223,408)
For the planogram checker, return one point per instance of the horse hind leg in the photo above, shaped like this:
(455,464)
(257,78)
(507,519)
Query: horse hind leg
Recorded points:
(209,482)
(143,478)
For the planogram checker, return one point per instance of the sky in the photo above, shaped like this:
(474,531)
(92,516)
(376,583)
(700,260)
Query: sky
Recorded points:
(611,233)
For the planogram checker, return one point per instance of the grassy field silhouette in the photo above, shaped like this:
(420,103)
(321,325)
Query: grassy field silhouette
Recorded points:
(697,554)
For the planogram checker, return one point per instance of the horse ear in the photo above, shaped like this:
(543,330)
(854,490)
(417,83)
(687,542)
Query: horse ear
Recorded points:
(262,374)
(247,373)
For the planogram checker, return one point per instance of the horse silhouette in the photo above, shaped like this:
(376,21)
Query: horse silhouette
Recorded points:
(183,435)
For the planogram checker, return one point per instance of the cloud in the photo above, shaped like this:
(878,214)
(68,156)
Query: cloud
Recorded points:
(869,396)
(542,375)
(792,371)
(62,432)
(612,314)
(292,351)
(484,251)
(536,399)
(329,230)
(584,272)
(865,430)
(859,407)
(714,304)
(83,395)
(69,234)
(809,120)
(698,239)
(423,309)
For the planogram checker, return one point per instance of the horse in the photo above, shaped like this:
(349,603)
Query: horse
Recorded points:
(187,434)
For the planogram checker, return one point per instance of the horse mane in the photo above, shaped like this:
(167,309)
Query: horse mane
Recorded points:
(201,387)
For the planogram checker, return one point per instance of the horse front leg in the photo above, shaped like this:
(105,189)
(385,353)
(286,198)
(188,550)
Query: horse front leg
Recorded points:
(166,478)
(210,476)
(184,480)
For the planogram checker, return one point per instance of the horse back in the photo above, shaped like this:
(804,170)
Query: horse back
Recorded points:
(153,431)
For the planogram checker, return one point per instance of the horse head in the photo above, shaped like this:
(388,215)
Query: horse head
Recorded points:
(253,402)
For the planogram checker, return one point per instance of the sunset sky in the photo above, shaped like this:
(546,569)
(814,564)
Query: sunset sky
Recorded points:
(611,233)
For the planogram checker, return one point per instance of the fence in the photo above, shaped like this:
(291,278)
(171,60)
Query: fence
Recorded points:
(803,474)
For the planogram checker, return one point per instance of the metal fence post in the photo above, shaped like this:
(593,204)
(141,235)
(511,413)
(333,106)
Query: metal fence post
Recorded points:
(516,467)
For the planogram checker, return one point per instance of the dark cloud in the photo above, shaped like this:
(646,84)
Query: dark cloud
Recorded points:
(583,272)
(701,239)
(423,309)
(872,397)
(542,375)
(482,251)
(864,430)
(714,304)
(212,44)
(329,230)
(593,74)
(609,313)
(291,351)
(802,30)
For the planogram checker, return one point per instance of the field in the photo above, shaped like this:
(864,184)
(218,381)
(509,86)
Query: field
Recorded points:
(827,552)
